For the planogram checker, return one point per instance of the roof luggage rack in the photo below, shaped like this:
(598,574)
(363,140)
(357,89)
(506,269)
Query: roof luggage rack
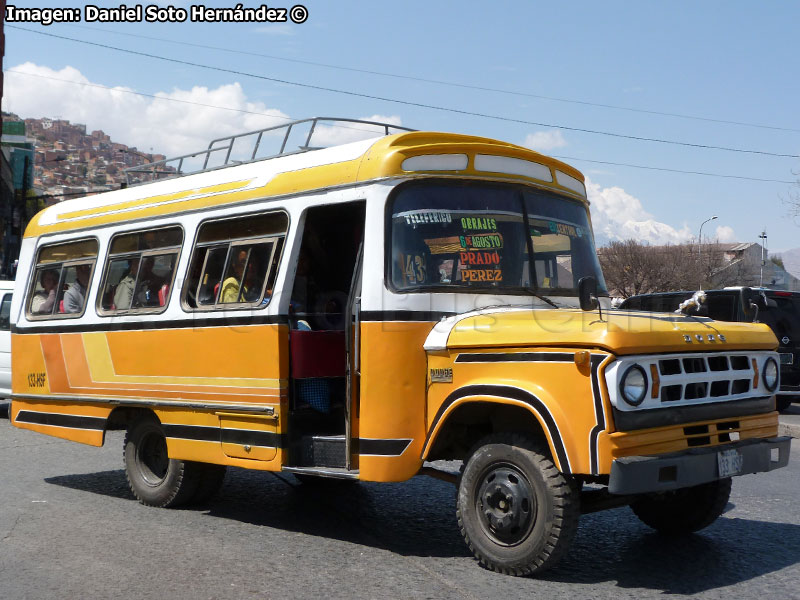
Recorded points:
(224,147)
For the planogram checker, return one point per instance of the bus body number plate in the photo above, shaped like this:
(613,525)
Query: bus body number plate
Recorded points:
(36,380)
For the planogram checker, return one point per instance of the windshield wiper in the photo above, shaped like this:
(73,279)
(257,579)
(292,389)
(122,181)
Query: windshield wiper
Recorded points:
(545,298)
(535,294)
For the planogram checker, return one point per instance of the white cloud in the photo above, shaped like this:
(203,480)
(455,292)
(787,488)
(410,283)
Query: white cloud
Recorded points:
(542,141)
(171,128)
(616,215)
(343,133)
(725,234)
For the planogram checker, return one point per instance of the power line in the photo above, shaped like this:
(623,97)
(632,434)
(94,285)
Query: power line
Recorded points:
(168,99)
(250,112)
(605,162)
(441,82)
(410,103)
(154,96)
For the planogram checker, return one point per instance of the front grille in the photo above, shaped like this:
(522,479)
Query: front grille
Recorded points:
(700,377)
(740,363)
(692,378)
(694,365)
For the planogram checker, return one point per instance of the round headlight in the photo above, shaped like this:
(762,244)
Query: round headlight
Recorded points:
(771,374)
(633,385)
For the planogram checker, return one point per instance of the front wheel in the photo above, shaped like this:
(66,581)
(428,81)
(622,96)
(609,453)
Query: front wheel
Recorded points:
(154,478)
(686,510)
(517,512)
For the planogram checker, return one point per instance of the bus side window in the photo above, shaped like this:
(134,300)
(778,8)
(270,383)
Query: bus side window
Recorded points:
(211,262)
(61,279)
(140,270)
(235,261)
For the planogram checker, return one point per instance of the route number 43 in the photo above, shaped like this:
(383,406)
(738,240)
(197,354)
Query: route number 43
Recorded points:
(414,268)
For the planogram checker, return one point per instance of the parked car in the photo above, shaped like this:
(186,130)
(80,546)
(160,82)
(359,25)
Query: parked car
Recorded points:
(776,308)
(6,289)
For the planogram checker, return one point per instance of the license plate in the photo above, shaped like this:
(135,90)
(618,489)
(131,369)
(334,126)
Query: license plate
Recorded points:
(786,358)
(729,462)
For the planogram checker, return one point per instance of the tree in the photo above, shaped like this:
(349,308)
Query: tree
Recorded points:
(631,267)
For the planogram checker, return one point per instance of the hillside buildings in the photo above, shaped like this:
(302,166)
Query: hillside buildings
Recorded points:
(48,160)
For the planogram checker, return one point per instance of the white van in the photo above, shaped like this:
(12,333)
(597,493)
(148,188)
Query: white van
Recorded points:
(6,289)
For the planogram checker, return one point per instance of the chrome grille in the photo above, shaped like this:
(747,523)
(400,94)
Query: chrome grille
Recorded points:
(699,377)
(693,378)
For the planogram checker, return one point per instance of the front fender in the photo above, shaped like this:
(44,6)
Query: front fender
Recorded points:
(508,395)
(565,398)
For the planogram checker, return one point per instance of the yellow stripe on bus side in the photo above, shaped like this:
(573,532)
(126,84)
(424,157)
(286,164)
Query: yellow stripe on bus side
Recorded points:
(283,183)
(102,370)
(111,208)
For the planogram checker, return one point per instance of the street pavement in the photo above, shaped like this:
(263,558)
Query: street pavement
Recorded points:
(70,528)
(789,421)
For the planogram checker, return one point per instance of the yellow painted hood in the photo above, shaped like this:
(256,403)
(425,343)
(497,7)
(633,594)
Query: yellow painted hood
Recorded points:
(620,332)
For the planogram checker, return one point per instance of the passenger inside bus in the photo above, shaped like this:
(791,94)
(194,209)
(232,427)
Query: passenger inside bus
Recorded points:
(253,280)
(147,287)
(75,296)
(231,285)
(43,301)
(123,295)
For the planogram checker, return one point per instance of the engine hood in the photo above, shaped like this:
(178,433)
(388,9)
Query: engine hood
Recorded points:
(619,332)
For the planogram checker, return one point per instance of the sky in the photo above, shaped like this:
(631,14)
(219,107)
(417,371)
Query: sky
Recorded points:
(712,86)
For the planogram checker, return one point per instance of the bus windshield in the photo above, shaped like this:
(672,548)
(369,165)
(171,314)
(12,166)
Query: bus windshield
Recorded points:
(479,237)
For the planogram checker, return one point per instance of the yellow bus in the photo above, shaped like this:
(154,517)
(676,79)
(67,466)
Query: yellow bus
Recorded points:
(360,311)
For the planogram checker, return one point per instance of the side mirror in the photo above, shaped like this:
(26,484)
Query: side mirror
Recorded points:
(587,293)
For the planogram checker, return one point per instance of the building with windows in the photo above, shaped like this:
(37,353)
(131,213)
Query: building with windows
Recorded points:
(17,208)
(748,264)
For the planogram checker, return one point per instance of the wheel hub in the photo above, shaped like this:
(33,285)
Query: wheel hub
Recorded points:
(153,459)
(506,505)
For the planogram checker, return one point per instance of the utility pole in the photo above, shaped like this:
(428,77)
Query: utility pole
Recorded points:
(700,250)
(763,238)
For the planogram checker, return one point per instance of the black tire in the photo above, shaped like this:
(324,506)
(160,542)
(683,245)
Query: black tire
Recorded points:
(518,514)
(684,511)
(154,478)
(210,480)
(783,402)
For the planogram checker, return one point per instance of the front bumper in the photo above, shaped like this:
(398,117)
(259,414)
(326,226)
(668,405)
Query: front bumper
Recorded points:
(642,474)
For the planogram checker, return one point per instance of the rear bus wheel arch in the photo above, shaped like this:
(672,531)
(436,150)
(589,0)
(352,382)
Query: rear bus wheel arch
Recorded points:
(122,416)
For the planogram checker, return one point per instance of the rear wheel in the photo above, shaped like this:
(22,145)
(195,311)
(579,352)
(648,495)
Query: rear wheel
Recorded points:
(783,402)
(517,513)
(154,478)
(686,510)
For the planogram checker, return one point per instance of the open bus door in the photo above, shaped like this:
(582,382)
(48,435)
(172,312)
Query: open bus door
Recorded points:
(322,344)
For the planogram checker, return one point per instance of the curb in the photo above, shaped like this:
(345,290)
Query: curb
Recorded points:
(791,429)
